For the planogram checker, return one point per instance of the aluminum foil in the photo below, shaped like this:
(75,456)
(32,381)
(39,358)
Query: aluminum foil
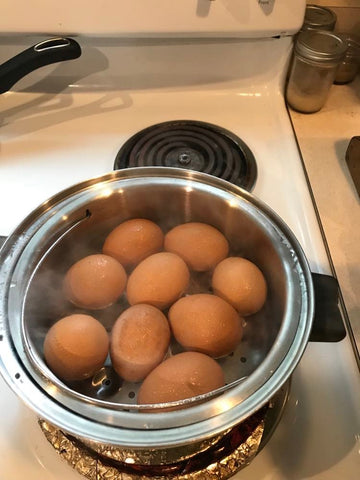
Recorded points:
(93,467)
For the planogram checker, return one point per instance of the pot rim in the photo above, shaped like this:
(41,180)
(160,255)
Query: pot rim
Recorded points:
(221,413)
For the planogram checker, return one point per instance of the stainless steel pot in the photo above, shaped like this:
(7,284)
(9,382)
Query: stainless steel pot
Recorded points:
(74,223)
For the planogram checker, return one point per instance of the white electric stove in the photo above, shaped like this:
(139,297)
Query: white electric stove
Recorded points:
(66,123)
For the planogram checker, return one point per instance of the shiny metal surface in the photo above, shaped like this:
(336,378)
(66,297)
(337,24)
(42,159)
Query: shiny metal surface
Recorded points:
(73,224)
(96,467)
(271,417)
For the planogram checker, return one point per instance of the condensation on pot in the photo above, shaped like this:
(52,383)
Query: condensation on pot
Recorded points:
(317,56)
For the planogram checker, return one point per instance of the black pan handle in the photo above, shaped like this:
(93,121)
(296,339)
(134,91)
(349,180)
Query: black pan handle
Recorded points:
(44,53)
(328,325)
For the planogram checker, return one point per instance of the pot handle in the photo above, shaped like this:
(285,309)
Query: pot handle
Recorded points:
(44,53)
(328,325)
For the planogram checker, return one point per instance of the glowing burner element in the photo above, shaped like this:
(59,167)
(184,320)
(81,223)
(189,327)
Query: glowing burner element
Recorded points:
(192,145)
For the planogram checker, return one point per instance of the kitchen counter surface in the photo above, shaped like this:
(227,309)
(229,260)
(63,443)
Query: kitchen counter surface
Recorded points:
(323,138)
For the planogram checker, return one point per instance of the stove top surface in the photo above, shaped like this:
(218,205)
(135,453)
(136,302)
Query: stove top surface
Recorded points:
(53,138)
(52,141)
(317,438)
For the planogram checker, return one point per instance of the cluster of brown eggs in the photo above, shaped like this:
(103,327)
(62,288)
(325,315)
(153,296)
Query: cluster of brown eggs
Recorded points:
(154,270)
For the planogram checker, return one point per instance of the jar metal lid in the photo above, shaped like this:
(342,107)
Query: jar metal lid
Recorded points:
(320,46)
(320,18)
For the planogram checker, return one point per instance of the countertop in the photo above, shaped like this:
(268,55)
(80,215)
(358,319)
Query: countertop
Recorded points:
(323,138)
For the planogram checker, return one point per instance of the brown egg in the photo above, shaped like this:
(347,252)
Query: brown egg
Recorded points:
(76,346)
(206,323)
(95,282)
(182,376)
(158,280)
(139,340)
(200,245)
(134,240)
(241,283)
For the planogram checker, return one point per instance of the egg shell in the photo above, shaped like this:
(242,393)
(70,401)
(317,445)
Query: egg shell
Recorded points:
(75,347)
(206,323)
(158,280)
(95,282)
(241,283)
(184,375)
(139,341)
(133,241)
(202,246)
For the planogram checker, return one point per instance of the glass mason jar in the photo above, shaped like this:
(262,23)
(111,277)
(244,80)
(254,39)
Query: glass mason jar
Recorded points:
(350,65)
(319,18)
(317,56)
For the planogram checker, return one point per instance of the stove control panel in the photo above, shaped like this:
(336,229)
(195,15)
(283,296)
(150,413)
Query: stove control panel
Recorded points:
(228,18)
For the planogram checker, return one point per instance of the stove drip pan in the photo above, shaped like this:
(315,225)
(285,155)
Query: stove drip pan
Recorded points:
(191,145)
(232,452)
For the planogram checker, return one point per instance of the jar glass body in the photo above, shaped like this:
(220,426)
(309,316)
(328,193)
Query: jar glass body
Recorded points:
(319,18)
(350,65)
(347,70)
(309,83)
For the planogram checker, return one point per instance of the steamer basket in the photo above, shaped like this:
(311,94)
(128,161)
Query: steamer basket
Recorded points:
(73,224)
